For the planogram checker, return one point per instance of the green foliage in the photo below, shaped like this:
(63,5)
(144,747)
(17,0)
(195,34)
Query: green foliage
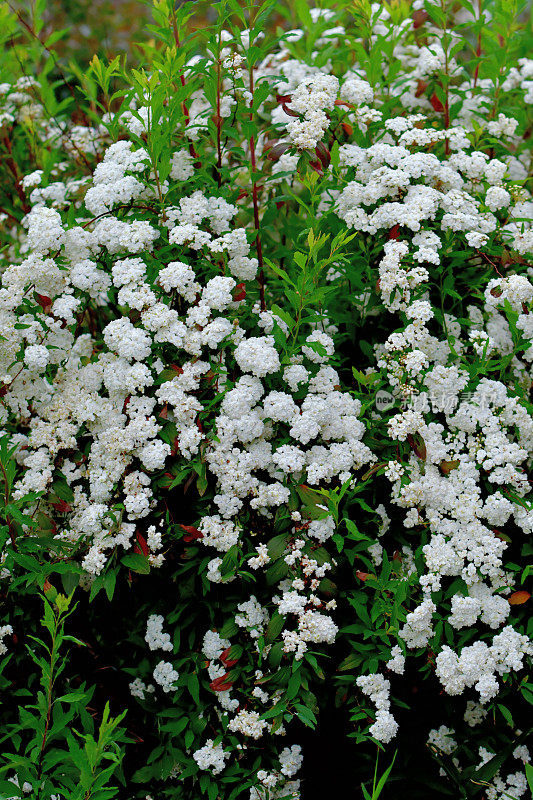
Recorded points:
(60,747)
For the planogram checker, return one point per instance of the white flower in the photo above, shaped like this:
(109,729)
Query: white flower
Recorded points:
(211,757)
(165,675)
(257,355)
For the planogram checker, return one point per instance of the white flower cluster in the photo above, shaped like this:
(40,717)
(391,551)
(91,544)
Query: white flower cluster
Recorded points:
(5,630)
(165,676)
(377,688)
(442,739)
(211,757)
(478,664)
(275,784)
(310,100)
(513,785)
(214,648)
(469,450)
(248,723)
(155,638)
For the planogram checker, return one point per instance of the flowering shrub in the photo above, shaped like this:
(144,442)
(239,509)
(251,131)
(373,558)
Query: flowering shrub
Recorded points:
(266,416)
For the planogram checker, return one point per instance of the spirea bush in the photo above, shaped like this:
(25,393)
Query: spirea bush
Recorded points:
(266,366)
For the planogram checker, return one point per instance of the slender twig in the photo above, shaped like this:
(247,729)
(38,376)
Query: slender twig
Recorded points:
(255,200)
(478,48)
(12,164)
(9,525)
(53,659)
(218,123)
(184,106)
(485,256)
(446,42)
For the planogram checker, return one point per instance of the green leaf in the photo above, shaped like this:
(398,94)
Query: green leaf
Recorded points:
(193,685)
(276,546)
(229,629)
(70,581)
(275,655)
(143,775)
(136,562)
(230,561)
(382,781)
(529,776)
(305,715)
(276,572)
(274,627)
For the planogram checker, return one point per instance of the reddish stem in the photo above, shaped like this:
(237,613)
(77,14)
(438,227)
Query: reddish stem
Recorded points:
(478,49)
(218,123)
(258,246)
(16,174)
(185,108)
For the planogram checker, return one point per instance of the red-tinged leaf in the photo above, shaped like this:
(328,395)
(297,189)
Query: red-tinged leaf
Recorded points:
(44,301)
(143,547)
(420,88)
(419,17)
(290,112)
(239,292)
(418,445)
(436,103)
(275,153)
(62,507)
(178,370)
(323,153)
(46,523)
(394,232)
(502,536)
(347,128)
(316,166)
(447,466)
(228,662)
(283,98)
(363,576)
(164,412)
(518,598)
(224,687)
(242,194)
(373,470)
(344,103)
(192,533)
(309,497)
(221,684)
